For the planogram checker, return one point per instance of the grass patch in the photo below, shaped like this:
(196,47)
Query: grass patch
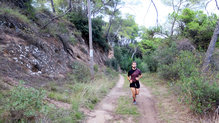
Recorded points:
(59,97)
(125,107)
(14,13)
(80,94)
(168,108)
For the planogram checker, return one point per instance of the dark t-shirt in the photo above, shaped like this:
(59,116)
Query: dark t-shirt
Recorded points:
(134,73)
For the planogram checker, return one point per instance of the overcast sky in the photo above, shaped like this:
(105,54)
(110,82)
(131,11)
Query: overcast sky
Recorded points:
(145,13)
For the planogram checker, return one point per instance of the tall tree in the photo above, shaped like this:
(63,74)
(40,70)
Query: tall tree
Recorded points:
(53,7)
(90,39)
(112,14)
(177,6)
(211,47)
(70,5)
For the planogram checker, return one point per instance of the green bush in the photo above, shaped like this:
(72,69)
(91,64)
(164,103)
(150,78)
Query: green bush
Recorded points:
(151,62)
(123,57)
(193,88)
(185,63)
(14,13)
(197,26)
(81,72)
(141,65)
(168,72)
(112,63)
(96,68)
(165,57)
(166,54)
(110,72)
(25,103)
(197,91)
(80,20)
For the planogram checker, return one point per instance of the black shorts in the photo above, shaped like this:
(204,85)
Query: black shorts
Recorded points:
(135,84)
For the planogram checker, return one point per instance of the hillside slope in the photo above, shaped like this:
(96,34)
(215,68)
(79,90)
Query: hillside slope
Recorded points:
(29,51)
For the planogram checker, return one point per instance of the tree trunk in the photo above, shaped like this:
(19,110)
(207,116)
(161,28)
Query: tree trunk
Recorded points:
(70,5)
(107,33)
(90,40)
(175,17)
(211,48)
(53,8)
(133,54)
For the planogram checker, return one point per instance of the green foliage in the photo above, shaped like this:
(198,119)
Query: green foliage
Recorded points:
(110,72)
(125,107)
(65,116)
(129,28)
(59,97)
(123,56)
(96,67)
(197,91)
(24,103)
(81,23)
(14,13)
(81,73)
(197,26)
(151,62)
(112,63)
(193,88)
(62,27)
(141,65)
(164,57)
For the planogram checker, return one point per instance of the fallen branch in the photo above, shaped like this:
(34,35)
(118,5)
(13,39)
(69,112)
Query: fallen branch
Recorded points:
(55,18)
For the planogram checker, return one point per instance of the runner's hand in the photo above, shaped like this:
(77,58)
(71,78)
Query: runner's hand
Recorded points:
(130,81)
(137,78)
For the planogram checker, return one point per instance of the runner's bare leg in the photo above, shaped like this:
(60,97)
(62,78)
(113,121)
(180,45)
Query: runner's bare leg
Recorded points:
(133,93)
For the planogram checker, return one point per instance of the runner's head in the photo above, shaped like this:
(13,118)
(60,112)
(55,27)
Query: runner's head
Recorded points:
(134,64)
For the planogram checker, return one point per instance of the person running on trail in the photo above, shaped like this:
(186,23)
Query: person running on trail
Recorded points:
(133,76)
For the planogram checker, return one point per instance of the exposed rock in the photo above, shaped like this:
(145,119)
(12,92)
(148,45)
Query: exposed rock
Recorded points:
(36,56)
(185,44)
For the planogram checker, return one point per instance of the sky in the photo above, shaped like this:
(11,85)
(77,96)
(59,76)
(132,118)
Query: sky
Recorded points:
(145,13)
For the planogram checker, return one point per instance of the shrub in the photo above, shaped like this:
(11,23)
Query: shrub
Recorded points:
(141,65)
(81,73)
(80,21)
(14,13)
(166,54)
(96,68)
(151,63)
(165,57)
(110,72)
(25,103)
(112,63)
(193,88)
(197,91)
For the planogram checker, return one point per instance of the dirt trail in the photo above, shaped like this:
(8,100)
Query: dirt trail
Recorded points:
(146,106)
(105,110)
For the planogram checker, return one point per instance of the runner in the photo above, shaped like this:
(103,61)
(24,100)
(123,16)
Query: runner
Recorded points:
(133,76)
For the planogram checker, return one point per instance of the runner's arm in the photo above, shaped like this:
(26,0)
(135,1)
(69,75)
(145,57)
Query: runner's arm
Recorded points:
(129,78)
(139,77)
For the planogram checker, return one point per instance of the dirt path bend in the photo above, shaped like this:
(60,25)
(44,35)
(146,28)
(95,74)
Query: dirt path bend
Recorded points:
(105,110)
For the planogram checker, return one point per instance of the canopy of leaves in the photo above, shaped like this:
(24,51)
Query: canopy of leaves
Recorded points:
(197,26)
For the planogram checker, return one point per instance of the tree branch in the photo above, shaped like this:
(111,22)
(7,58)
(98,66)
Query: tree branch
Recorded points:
(217,4)
(156,10)
(207,5)
(173,5)
(55,18)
